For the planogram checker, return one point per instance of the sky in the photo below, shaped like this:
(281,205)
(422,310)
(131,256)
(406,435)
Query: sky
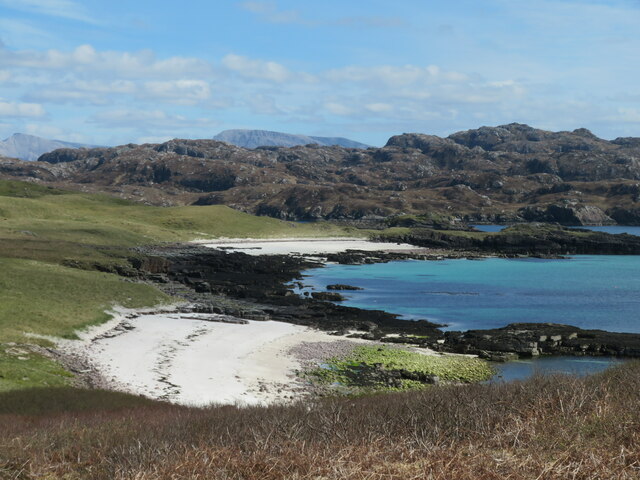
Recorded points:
(116,72)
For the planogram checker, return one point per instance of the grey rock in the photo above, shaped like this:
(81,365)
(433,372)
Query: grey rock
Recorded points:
(265,138)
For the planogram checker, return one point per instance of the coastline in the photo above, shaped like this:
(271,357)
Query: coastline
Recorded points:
(185,356)
(235,342)
(195,359)
(308,246)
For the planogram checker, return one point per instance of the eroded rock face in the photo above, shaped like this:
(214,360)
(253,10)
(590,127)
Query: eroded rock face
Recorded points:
(567,215)
(512,171)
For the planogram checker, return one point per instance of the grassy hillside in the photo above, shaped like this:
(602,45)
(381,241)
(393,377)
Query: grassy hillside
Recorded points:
(44,231)
(102,220)
(48,299)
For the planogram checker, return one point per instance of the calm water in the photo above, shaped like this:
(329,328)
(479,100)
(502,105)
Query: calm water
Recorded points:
(587,291)
(521,369)
(615,229)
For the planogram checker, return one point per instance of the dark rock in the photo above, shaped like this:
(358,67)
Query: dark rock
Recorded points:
(328,296)
(340,286)
(527,240)
(530,339)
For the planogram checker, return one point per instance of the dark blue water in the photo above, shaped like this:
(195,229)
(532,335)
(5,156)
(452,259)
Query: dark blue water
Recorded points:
(587,291)
(615,229)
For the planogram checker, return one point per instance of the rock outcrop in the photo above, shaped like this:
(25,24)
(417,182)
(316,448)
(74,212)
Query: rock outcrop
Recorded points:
(532,339)
(507,173)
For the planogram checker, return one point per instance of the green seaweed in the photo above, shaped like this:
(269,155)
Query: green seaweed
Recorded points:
(382,368)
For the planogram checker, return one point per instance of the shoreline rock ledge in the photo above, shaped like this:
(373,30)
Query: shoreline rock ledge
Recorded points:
(533,339)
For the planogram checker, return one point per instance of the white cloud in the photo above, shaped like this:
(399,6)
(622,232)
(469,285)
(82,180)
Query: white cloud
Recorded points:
(337,108)
(264,105)
(149,119)
(85,59)
(395,77)
(256,69)
(16,109)
(154,139)
(258,7)
(379,107)
(18,32)
(54,8)
(182,92)
(82,92)
(269,12)
(169,97)
(54,132)
(626,115)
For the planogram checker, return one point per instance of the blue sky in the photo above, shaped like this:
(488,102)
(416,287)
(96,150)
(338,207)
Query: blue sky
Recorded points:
(145,71)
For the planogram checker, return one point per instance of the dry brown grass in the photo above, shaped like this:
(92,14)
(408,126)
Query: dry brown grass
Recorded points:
(545,428)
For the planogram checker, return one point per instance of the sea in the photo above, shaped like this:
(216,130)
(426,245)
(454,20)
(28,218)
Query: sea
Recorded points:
(615,229)
(588,291)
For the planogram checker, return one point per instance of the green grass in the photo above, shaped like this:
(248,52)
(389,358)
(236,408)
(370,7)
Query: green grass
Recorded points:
(48,299)
(54,226)
(358,371)
(20,368)
(44,231)
(103,220)
(61,226)
(13,188)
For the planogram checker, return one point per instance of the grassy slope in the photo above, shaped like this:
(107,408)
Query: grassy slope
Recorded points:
(50,299)
(42,229)
(98,219)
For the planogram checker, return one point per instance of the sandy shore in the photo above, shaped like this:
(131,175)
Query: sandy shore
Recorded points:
(200,359)
(191,360)
(305,246)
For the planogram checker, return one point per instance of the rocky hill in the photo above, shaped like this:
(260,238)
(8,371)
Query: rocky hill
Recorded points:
(30,147)
(265,138)
(496,174)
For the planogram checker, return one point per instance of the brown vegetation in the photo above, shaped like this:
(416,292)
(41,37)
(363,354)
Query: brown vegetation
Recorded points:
(546,428)
(496,174)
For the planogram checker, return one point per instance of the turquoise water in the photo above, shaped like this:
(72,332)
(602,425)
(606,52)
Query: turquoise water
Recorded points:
(600,292)
(490,228)
(521,369)
(615,229)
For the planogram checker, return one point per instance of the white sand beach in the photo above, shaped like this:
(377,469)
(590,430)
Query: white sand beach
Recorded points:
(186,359)
(198,359)
(306,246)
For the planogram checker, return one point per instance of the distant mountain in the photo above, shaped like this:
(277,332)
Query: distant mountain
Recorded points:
(30,147)
(265,138)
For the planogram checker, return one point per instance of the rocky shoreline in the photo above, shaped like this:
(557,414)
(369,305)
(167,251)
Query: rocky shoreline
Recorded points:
(261,288)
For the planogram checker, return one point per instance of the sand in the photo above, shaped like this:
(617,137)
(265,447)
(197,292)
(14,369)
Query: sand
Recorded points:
(195,359)
(189,360)
(305,246)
